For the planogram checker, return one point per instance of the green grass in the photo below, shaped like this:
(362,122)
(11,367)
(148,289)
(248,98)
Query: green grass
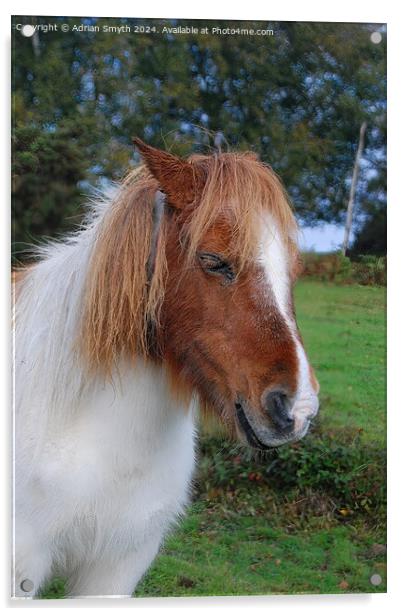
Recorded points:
(240,554)
(344,330)
(309,518)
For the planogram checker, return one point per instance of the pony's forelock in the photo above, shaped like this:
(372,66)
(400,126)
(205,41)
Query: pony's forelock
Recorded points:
(241,189)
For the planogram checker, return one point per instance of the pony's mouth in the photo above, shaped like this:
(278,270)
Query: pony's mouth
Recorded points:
(264,437)
(245,425)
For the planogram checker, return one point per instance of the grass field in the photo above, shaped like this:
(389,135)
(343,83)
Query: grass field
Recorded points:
(309,518)
(344,330)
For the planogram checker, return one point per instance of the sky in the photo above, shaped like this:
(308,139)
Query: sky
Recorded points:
(324,238)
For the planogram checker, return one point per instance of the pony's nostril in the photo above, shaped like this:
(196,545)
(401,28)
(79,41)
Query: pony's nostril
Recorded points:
(278,407)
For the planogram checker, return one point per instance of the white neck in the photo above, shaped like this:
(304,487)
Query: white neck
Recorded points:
(53,389)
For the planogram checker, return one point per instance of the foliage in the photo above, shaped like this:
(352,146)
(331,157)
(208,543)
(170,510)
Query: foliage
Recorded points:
(297,98)
(370,270)
(371,237)
(335,267)
(46,170)
(331,267)
(334,464)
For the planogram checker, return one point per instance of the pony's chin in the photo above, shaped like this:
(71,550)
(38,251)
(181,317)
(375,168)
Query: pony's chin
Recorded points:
(261,436)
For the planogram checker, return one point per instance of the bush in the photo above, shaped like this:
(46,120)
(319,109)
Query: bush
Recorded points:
(370,270)
(329,267)
(336,465)
(335,267)
(47,167)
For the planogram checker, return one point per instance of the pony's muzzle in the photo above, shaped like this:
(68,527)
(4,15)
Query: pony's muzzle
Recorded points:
(279,409)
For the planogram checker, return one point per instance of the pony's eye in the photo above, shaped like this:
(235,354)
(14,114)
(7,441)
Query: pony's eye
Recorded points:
(214,264)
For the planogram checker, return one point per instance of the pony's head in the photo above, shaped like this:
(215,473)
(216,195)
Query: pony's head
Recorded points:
(194,267)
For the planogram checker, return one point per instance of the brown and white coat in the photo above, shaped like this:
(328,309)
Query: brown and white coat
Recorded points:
(176,295)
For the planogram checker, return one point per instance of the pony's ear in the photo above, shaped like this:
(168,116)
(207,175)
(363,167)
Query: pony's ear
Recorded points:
(177,178)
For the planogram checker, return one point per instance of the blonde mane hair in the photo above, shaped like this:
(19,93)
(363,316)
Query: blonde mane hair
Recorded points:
(122,302)
(240,188)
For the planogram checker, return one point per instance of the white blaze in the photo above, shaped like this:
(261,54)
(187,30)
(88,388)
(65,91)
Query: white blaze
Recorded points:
(274,259)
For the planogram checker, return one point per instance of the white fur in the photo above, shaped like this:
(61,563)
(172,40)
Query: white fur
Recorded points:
(101,469)
(275,261)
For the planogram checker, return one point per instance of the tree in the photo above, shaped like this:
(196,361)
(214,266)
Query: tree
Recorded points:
(372,237)
(297,98)
(47,168)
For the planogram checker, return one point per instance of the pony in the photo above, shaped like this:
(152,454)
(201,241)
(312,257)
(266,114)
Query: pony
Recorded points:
(173,298)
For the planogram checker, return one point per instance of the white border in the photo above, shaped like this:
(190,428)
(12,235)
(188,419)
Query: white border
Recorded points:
(305,10)
(310,10)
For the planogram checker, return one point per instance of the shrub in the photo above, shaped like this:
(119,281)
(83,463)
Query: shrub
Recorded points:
(337,465)
(370,270)
(335,267)
(330,267)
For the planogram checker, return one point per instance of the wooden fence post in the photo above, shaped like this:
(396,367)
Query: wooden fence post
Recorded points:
(351,201)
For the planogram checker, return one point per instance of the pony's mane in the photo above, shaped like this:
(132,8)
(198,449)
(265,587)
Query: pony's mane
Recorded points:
(122,302)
